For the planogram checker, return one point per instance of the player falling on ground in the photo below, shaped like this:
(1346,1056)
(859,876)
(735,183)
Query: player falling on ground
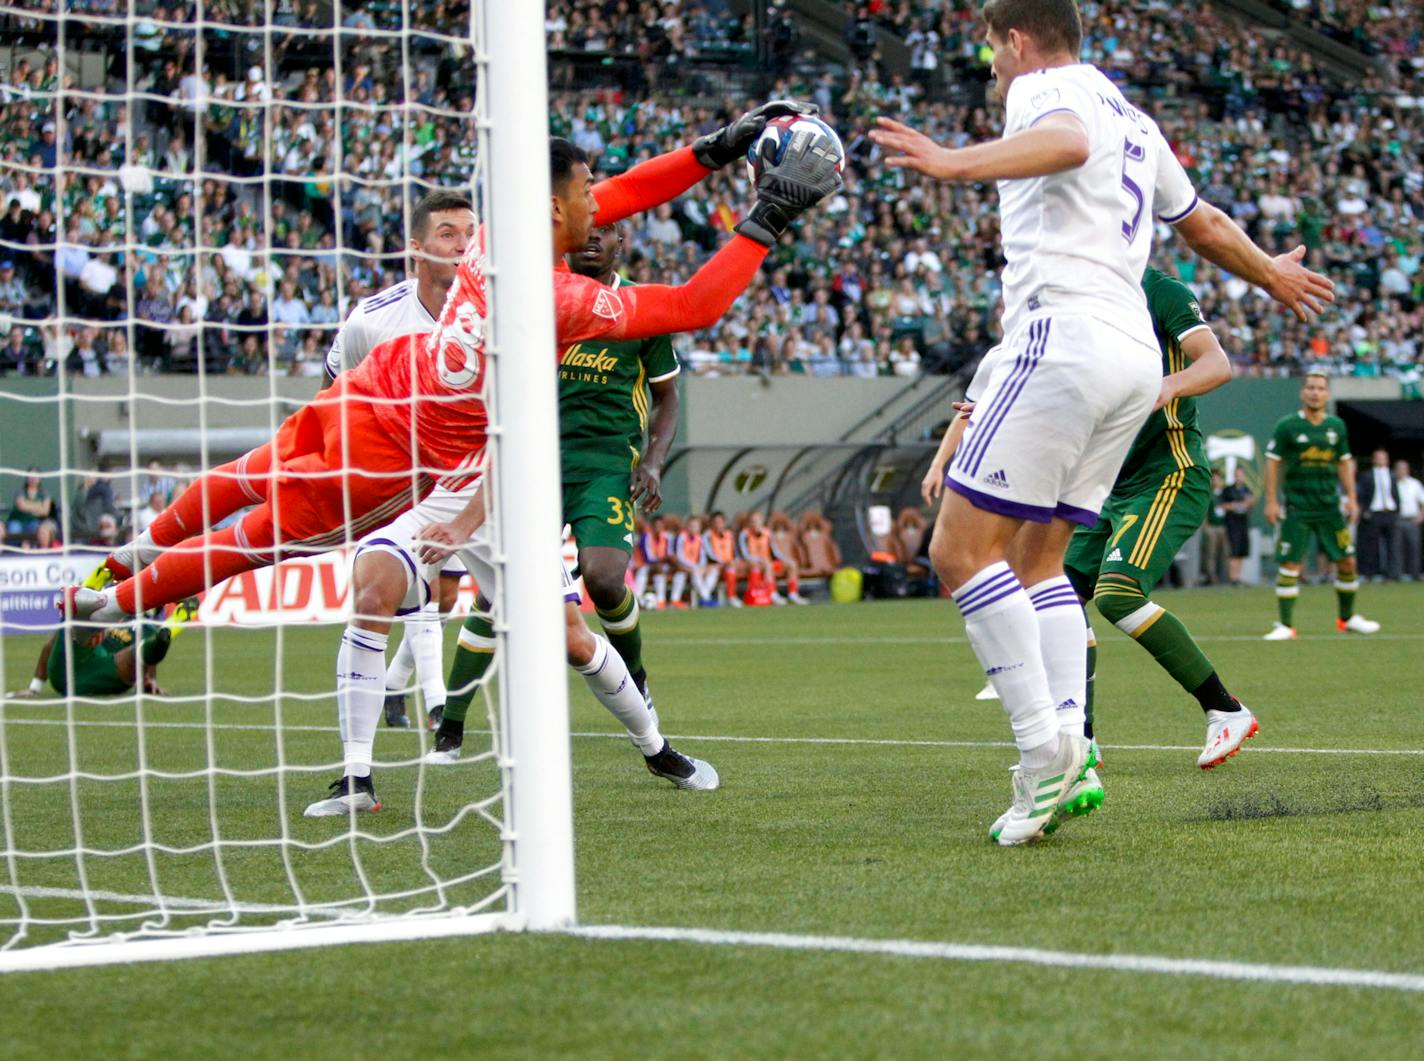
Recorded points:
(106,662)
(441,227)
(807,178)
(1314,449)
(1076,375)
(1162,495)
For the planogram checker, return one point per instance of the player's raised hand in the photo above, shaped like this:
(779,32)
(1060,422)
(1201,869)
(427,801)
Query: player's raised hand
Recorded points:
(730,142)
(804,175)
(1301,290)
(913,149)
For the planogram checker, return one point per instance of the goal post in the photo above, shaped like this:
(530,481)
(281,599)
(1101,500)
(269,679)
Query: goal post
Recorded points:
(149,827)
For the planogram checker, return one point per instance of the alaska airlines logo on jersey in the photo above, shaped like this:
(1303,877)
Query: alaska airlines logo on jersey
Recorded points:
(577,357)
(608,306)
(1317,453)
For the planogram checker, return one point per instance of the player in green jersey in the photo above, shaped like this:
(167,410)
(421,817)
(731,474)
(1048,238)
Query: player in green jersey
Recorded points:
(610,394)
(1313,448)
(1162,494)
(105,663)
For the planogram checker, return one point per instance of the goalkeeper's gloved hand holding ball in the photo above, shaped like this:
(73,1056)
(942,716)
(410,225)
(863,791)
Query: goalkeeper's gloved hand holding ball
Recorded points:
(730,142)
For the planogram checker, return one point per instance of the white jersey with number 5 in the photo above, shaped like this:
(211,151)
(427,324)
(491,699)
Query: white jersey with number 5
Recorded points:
(1077,241)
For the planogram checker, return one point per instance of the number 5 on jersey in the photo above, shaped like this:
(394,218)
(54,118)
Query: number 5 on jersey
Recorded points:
(1132,153)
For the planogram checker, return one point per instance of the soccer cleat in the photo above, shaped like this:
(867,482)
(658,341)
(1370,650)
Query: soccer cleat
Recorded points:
(1039,793)
(446,750)
(396,717)
(987,693)
(1280,632)
(1084,797)
(100,577)
(76,602)
(1226,731)
(796,598)
(435,717)
(1357,624)
(735,602)
(347,795)
(184,611)
(681,770)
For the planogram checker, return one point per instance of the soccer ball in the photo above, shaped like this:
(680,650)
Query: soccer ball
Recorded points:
(782,131)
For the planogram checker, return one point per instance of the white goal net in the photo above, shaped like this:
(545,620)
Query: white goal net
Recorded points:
(194,196)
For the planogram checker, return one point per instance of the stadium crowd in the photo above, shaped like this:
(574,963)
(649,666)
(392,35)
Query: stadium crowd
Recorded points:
(893,277)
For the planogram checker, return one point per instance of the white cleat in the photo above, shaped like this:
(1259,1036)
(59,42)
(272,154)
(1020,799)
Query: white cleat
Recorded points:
(1226,731)
(1084,797)
(442,756)
(735,602)
(1280,632)
(1357,624)
(796,598)
(347,795)
(1039,793)
(682,770)
(987,693)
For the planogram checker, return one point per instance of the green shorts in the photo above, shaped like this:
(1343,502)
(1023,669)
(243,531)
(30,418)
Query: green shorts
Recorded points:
(1294,534)
(96,669)
(599,512)
(1141,529)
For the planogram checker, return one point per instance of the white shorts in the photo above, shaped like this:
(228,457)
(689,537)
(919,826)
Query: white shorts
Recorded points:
(401,539)
(1062,399)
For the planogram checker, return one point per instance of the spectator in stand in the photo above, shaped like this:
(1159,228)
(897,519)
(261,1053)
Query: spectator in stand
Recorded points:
(19,354)
(30,507)
(13,294)
(106,534)
(92,500)
(1237,501)
(1410,525)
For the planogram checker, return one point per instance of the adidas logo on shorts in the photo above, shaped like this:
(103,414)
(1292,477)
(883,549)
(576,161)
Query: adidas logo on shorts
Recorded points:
(997,478)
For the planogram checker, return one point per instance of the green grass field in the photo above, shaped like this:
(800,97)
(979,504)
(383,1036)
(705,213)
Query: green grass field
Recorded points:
(859,780)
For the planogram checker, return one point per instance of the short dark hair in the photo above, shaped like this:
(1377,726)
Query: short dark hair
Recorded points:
(564,155)
(1053,24)
(435,202)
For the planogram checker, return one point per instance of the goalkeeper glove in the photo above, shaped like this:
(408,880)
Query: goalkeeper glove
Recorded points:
(785,190)
(730,142)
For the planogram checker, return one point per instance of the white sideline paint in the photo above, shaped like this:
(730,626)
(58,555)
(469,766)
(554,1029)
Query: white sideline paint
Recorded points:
(1314,976)
(263,727)
(253,941)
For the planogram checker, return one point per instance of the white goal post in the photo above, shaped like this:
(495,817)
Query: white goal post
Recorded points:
(127,825)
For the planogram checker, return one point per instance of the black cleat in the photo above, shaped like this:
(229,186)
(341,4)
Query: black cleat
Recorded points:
(435,717)
(348,794)
(396,717)
(682,771)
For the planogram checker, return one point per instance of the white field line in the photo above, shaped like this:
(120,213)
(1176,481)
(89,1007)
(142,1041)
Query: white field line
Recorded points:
(668,641)
(1314,976)
(890,742)
(172,902)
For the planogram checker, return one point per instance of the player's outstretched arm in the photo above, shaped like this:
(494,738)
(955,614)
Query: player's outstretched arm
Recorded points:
(1209,369)
(665,177)
(1055,144)
(1218,239)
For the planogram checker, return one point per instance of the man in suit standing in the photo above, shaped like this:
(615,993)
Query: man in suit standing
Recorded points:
(1409,528)
(1379,515)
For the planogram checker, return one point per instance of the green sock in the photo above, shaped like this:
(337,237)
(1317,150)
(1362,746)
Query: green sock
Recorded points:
(1287,590)
(1345,596)
(473,655)
(1092,675)
(1158,631)
(620,624)
(155,645)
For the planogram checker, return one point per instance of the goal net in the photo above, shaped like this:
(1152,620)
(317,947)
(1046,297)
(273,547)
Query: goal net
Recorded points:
(195,196)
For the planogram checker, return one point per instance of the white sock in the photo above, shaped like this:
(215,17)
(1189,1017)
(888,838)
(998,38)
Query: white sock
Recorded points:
(360,695)
(999,620)
(679,583)
(660,587)
(426,640)
(1063,641)
(139,553)
(640,583)
(706,584)
(401,667)
(608,679)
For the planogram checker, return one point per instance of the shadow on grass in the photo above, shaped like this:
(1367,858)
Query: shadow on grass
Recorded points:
(1248,806)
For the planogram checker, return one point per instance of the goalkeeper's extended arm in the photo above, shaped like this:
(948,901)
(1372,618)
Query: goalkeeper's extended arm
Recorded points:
(665,177)
(658,309)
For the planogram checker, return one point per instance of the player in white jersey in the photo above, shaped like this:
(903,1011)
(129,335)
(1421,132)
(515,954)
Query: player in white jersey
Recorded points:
(441,226)
(1081,174)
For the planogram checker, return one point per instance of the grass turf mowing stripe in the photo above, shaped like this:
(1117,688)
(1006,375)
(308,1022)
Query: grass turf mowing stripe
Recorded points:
(710,738)
(1315,976)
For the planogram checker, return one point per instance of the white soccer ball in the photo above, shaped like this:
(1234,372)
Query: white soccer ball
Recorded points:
(782,131)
